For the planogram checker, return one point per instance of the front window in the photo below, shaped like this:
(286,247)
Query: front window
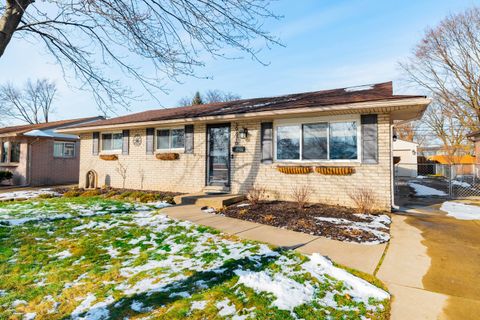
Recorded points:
(15,152)
(112,141)
(170,139)
(343,140)
(4,152)
(63,149)
(288,143)
(317,141)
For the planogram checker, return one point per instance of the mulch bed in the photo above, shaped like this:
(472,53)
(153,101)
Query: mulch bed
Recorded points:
(289,216)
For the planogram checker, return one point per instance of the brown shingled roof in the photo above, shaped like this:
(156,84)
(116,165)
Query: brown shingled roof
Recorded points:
(376,92)
(46,125)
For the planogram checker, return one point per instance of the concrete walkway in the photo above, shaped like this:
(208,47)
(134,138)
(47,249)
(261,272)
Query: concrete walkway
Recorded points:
(432,266)
(357,256)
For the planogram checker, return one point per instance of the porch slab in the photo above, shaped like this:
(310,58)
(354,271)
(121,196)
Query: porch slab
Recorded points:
(202,199)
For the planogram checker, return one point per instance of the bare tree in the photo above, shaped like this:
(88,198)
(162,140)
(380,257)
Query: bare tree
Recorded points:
(446,127)
(447,64)
(210,96)
(87,38)
(122,171)
(31,104)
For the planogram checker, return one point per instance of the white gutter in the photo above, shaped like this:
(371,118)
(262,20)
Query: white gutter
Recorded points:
(344,108)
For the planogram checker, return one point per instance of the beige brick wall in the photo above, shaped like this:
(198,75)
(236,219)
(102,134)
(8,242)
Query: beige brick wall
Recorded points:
(188,173)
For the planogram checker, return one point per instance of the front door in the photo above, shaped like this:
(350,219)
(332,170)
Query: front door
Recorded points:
(218,155)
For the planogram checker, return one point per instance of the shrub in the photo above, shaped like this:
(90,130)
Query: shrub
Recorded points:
(91,193)
(256,194)
(5,175)
(72,193)
(148,197)
(301,195)
(125,195)
(136,195)
(45,196)
(168,199)
(111,194)
(364,199)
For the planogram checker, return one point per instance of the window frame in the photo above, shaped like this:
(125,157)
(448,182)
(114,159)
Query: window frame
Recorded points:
(6,154)
(10,152)
(314,120)
(169,149)
(64,143)
(110,151)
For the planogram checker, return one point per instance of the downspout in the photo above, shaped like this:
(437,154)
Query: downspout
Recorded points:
(29,161)
(392,170)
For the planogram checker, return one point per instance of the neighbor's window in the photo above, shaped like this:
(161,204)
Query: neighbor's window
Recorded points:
(63,149)
(4,152)
(170,139)
(14,151)
(112,141)
(317,141)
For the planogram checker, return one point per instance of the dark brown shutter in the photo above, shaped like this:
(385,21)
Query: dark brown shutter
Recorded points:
(95,143)
(369,138)
(125,141)
(149,140)
(189,138)
(267,142)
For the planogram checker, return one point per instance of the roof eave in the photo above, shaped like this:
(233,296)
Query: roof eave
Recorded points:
(419,103)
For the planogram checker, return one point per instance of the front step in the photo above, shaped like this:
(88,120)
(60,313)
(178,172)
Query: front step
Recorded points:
(216,201)
(215,189)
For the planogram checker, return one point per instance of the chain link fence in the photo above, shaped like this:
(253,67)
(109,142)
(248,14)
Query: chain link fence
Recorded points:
(437,180)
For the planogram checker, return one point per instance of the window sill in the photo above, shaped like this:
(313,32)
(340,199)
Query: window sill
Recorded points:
(317,162)
(117,152)
(9,164)
(178,150)
(57,157)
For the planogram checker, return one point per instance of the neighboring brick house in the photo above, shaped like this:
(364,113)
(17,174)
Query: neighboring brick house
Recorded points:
(340,140)
(37,155)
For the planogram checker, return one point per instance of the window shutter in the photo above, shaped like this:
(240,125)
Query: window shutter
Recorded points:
(125,141)
(95,142)
(149,140)
(189,138)
(369,138)
(267,142)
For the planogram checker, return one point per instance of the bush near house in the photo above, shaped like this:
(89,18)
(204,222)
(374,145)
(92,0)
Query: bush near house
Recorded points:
(5,175)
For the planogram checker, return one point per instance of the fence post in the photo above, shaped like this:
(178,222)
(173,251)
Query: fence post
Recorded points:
(450,184)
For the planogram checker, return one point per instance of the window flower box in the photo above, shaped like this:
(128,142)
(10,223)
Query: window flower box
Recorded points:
(109,157)
(295,169)
(168,156)
(335,171)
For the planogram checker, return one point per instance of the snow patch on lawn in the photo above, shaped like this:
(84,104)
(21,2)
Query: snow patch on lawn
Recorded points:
(28,194)
(288,292)
(225,308)
(198,305)
(64,254)
(461,211)
(421,190)
(358,288)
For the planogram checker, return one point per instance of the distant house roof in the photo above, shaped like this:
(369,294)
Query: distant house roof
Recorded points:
(444,159)
(46,128)
(317,99)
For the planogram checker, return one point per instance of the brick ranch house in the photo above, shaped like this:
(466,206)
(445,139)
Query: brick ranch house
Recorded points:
(333,141)
(37,155)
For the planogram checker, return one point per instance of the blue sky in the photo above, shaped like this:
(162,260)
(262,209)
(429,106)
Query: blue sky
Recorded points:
(328,44)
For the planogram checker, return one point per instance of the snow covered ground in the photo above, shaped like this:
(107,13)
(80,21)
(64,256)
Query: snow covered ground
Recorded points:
(106,259)
(421,190)
(461,211)
(27,194)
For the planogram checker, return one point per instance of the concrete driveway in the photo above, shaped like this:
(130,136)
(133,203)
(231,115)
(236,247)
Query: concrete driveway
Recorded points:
(432,266)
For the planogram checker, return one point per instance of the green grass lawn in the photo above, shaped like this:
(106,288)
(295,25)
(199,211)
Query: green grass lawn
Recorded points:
(92,258)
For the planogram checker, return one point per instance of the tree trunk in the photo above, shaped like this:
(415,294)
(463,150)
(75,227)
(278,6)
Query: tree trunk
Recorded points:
(10,20)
